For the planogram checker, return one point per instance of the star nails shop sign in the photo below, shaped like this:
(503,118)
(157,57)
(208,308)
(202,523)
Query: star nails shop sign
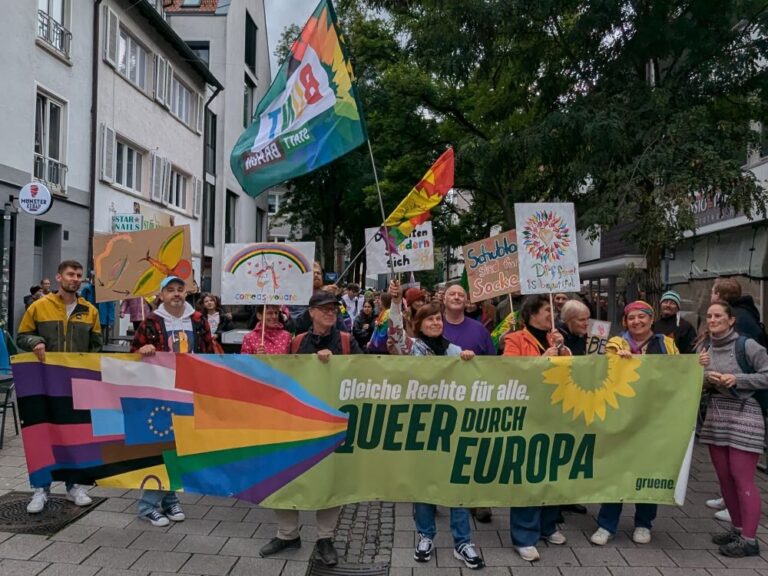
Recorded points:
(35,199)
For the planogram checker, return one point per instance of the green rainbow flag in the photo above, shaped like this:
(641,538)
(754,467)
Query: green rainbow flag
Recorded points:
(310,115)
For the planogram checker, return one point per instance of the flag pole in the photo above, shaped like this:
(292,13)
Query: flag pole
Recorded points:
(381,205)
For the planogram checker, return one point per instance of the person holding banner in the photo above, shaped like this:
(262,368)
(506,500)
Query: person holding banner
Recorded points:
(529,524)
(735,367)
(429,341)
(638,338)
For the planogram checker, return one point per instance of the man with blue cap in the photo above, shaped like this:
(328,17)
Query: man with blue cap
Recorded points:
(671,324)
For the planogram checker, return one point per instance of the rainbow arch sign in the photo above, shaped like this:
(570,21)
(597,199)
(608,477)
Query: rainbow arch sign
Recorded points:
(267,273)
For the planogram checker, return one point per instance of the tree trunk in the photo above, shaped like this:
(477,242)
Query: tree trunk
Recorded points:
(652,277)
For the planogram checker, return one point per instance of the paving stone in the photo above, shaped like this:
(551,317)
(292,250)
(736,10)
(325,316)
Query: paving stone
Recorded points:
(161,561)
(217,501)
(683,572)
(209,564)
(534,570)
(584,571)
(157,541)
(189,497)
(691,525)
(66,552)
(195,511)
(114,537)
(243,547)
(557,557)
(750,562)
(261,516)
(117,558)
(633,571)
(75,533)
(300,569)
(116,572)
(487,571)
(116,505)
(23,546)
(21,567)
(193,527)
(257,567)
(646,557)
(598,556)
(502,557)
(238,529)
(228,513)
(694,559)
(428,570)
(733,572)
(695,541)
(107,519)
(201,544)
(69,570)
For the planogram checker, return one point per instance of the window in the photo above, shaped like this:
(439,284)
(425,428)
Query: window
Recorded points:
(210,142)
(209,207)
(181,101)
(190,3)
(128,163)
(132,60)
(51,23)
(202,50)
(261,220)
(248,90)
(231,208)
(177,193)
(250,43)
(273,204)
(49,142)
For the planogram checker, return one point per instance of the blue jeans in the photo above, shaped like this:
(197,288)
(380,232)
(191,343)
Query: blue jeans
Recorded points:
(151,499)
(47,487)
(424,515)
(608,517)
(531,523)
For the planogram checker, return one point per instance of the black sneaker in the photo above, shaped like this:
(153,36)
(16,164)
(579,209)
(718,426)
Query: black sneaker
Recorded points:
(740,548)
(155,518)
(466,553)
(325,552)
(174,513)
(726,537)
(278,545)
(424,549)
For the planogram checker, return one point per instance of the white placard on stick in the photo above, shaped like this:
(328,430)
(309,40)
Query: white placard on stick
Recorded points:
(414,253)
(546,238)
(267,273)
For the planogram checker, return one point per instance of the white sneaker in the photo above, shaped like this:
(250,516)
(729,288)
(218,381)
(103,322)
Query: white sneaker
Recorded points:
(39,498)
(557,538)
(528,553)
(716,503)
(600,537)
(78,495)
(641,535)
(723,515)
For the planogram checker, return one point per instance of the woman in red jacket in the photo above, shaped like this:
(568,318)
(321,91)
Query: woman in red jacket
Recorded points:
(529,524)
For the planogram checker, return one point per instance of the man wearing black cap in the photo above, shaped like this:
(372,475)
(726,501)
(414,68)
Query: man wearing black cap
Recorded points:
(174,327)
(670,324)
(324,339)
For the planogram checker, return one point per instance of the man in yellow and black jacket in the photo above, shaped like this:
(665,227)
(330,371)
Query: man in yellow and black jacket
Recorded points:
(60,322)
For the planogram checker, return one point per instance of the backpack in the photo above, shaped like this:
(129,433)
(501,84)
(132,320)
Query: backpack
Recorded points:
(740,351)
(345,345)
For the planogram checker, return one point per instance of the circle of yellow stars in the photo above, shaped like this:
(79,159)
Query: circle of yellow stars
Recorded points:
(150,421)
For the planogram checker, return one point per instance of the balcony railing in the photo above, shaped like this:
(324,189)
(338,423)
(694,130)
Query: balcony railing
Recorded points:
(53,33)
(52,172)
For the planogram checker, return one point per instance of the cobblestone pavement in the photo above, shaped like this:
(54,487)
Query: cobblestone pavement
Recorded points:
(222,537)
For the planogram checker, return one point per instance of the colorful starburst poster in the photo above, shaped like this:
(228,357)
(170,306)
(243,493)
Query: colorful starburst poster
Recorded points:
(415,252)
(546,235)
(277,273)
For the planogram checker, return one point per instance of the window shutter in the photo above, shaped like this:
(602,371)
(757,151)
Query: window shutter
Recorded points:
(160,69)
(168,85)
(156,185)
(107,153)
(166,181)
(197,204)
(200,114)
(111,35)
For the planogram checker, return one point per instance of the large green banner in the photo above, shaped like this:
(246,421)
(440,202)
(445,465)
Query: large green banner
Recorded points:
(291,431)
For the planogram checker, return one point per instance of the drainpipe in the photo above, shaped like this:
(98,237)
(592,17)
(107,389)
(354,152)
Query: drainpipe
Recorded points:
(202,215)
(94,131)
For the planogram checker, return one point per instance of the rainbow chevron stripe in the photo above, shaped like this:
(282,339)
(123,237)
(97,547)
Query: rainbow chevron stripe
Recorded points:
(280,250)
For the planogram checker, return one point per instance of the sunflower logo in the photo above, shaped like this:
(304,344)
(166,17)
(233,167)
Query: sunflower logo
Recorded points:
(546,236)
(588,403)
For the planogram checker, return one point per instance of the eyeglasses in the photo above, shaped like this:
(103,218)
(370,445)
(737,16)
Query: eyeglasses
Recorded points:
(328,309)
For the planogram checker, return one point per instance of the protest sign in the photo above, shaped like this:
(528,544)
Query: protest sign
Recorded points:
(597,336)
(415,252)
(291,431)
(267,273)
(131,264)
(549,261)
(492,266)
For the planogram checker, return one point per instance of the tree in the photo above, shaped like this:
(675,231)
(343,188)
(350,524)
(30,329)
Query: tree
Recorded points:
(627,108)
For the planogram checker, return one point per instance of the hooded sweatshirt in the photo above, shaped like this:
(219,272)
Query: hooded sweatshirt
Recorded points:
(748,319)
(180,335)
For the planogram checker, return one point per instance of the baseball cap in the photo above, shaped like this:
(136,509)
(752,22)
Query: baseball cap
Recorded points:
(321,298)
(168,279)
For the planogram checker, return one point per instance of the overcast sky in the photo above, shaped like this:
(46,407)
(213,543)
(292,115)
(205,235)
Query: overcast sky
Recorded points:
(282,13)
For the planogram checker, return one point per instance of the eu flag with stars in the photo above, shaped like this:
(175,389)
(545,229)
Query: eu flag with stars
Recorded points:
(148,421)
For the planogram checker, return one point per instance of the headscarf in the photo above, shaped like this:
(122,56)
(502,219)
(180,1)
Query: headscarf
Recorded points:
(639,306)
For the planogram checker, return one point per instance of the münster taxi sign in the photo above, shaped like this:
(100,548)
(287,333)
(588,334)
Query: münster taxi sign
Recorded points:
(35,199)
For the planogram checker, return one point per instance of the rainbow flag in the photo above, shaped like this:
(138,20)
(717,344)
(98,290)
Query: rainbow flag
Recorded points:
(310,115)
(503,327)
(378,341)
(415,207)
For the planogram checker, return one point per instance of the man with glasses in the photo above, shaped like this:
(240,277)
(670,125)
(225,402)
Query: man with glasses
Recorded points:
(324,339)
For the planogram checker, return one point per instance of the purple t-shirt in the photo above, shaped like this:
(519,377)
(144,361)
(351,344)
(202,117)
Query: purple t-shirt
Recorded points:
(469,335)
